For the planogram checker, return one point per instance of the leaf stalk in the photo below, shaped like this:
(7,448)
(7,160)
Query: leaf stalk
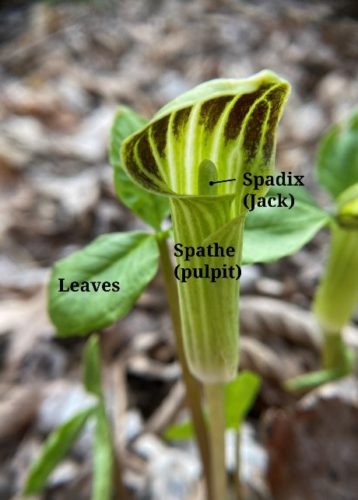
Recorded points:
(193,390)
(337,296)
(215,402)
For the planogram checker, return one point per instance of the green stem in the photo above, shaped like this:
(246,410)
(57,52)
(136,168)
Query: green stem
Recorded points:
(215,403)
(309,381)
(335,354)
(337,296)
(193,392)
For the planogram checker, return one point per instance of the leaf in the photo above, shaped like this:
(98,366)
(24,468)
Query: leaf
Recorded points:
(92,367)
(300,193)
(347,208)
(151,208)
(337,162)
(272,233)
(179,432)
(102,458)
(56,447)
(131,259)
(240,395)
(310,380)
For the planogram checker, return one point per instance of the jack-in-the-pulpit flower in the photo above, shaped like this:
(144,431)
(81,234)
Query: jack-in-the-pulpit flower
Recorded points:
(217,131)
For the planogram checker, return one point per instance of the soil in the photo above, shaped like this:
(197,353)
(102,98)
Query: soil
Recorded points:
(64,69)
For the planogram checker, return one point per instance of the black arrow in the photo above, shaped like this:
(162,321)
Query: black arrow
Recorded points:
(211,183)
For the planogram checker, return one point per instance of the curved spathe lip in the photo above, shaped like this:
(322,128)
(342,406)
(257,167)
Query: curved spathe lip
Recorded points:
(219,87)
(229,124)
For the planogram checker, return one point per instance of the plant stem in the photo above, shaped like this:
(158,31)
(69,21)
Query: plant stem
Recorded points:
(335,354)
(193,392)
(215,403)
(337,296)
(237,475)
(337,293)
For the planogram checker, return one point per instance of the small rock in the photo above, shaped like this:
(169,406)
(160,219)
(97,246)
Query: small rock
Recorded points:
(64,473)
(253,459)
(63,401)
(140,366)
(307,123)
(72,94)
(26,133)
(148,446)
(90,143)
(133,425)
(172,474)
(13,158)
(18,276)
(270,287)
(76,195)
(332,87)
(250,274)
(171,85)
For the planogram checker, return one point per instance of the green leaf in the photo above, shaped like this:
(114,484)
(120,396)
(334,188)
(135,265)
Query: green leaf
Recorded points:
(310,380)
(92,367)
(151,208)
(56,447)
(337,162)
(179,432)
(102,458)
(131,259)
(272,233)
(347,208)
(240,395)
(300,193)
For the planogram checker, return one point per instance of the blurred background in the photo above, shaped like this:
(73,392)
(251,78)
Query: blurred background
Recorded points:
(64,68)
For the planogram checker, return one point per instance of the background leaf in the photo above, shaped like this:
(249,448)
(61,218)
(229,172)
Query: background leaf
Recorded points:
(131,258)
(151,208)
(102,458)
(337,162)
(55,448)
(272,233)
(299,192)
(92,378)
(240,395)
(180,431)
(347,207)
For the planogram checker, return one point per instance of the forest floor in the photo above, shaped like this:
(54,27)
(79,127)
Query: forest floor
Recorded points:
(64,69)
